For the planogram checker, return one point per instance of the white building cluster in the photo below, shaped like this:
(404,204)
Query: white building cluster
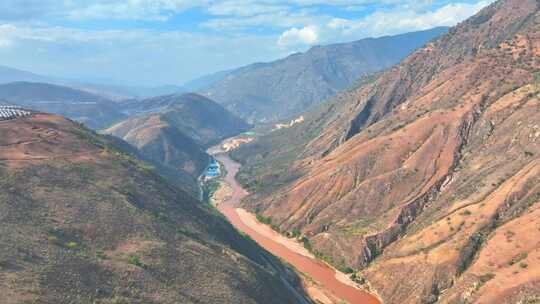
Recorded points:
(10,112)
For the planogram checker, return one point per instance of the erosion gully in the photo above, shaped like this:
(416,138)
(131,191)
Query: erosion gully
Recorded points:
(319,271)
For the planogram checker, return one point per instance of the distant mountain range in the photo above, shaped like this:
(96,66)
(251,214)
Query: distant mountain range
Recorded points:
(205,81)
(111,91)
(93,110)
(267,92)
(8,74)
(171,131)
(272,91)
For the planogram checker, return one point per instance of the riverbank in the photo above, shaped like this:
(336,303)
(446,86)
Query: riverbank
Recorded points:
(323,282)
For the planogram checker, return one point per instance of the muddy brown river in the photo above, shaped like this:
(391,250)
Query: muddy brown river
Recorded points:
(316,269)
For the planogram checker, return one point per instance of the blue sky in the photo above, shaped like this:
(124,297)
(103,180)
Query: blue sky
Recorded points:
(157,42)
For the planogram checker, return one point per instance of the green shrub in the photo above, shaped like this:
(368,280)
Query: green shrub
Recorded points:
(101,255)
(305,241)
(53,239)
(466,213)
(134,260)
(486,277)
(518,259)
(357,279)
(209,189)
(295,233)
(72,245)
(264,220)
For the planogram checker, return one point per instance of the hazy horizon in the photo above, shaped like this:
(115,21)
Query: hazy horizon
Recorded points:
(170,42)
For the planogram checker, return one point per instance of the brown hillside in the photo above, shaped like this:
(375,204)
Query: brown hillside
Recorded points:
(431,168)
(200,118)
(174,130)
(161,142)
(83,222)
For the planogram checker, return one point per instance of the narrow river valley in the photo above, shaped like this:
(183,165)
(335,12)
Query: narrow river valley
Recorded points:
(330,280)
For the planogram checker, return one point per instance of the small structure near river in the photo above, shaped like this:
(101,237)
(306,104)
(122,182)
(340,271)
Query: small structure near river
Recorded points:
(213,169)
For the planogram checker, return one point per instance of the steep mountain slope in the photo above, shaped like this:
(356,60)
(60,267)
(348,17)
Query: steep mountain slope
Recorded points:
(92,110)
(205,81)
(119,93)
(162,142)
(431,168)
(83,222)
(286,87)
(198,117)
(179,178)
(175,130)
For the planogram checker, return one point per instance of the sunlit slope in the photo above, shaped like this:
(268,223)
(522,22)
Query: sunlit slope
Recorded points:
(422,169)
(84,222)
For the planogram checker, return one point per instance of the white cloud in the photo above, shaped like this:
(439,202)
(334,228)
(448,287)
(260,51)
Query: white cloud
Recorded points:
(5,43)
(233,33)
(244,8)
(15,10)
(18,10)
(293,37)
(276,20)
(132,9)
(400,21)
(136,56)
(6,34)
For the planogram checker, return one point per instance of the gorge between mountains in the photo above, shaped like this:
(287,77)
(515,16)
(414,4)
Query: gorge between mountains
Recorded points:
(334,285)
(399,170)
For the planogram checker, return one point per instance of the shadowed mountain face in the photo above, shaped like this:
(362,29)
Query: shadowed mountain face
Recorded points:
(164,143)
(175,130)
(431,168)
(94,111)
(85,222)
(284,88)
(200,118)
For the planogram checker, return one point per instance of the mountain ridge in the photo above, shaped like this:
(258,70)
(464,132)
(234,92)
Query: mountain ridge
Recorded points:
(95,111)
(270,91)
(176,130)
(418,168)
(115,92)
